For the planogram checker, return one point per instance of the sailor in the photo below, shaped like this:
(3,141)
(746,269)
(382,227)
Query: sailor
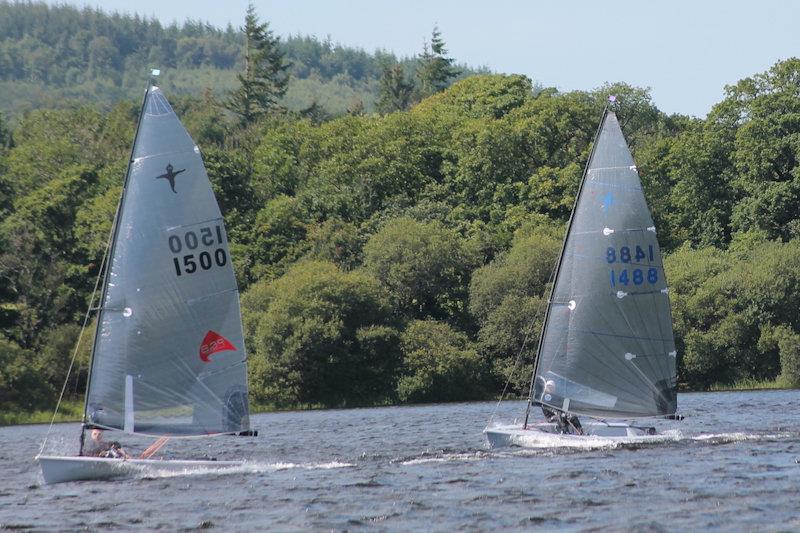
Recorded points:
(97,447)
(565,422)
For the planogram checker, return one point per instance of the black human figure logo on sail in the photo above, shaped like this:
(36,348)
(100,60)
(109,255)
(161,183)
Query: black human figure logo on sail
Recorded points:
(170,176)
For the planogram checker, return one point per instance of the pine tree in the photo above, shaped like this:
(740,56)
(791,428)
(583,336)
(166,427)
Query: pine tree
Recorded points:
(265,74)
(394,92)
(435,69)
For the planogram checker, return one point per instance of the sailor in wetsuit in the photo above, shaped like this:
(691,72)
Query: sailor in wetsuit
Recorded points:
(97,447)
(565,423)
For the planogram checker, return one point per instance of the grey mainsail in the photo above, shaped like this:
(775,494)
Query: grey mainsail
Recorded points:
(607,348)
(169,355)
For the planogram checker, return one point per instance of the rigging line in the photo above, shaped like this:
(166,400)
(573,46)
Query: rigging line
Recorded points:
(542,304)
(564,244)
(115,226)
(83,330)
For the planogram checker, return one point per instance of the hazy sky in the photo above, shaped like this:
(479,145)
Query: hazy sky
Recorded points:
(686,51)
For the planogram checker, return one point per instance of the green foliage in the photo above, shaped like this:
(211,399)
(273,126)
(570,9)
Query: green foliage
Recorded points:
(424,266)
(734,313)
(20,384)
(439,364)
(406,256)
(507,297)
(320,336)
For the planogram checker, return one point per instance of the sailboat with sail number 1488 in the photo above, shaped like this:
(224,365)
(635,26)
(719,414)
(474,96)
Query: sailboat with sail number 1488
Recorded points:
(168,358)
(607,349)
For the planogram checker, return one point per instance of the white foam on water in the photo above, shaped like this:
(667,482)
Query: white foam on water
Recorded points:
(446,457)
(551,441)
(721,438)
(152,471)
(589,442)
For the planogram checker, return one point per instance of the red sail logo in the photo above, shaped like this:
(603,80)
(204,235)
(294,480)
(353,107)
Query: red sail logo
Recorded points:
(213,343)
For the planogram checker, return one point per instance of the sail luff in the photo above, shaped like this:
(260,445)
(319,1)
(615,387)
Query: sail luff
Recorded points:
(110,255)
(558,263)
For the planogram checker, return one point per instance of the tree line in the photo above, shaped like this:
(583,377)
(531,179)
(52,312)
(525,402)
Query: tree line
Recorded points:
(405,257)
(50,54)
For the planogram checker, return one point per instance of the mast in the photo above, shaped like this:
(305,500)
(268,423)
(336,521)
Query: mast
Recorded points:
(560,259)
(111,250)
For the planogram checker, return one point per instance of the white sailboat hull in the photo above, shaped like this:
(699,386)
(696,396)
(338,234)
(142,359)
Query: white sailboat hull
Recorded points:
(547,434)
(57,469)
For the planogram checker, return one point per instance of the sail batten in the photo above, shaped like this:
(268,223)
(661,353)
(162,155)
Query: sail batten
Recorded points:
(169,356)
(608,348)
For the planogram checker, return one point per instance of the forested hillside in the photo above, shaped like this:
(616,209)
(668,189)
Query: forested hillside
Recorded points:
(403,257)
(49,54)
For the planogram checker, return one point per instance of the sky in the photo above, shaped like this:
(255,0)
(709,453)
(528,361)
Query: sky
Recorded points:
(685,51)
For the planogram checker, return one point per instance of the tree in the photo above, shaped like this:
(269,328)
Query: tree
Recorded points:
(507,299)
(320,336)
(265,76)
(435,69)
(424,266)
(394,92)
(439,364)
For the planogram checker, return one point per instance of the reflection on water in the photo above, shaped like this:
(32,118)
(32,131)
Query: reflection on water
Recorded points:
(734,463)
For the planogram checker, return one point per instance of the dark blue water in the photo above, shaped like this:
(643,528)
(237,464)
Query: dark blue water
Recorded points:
(733,464)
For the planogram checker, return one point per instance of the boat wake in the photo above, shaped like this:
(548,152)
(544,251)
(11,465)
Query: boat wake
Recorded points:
(255,467)
(544,443)
(443,456)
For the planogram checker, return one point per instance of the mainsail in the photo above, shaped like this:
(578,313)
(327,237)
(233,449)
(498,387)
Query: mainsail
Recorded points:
(169,355)
(607,348)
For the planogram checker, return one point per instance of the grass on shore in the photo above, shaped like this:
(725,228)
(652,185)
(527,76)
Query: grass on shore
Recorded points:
(69,411)
(753,384)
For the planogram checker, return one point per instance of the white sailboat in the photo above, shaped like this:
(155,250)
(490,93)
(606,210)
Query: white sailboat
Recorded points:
(168,358)
(607,349)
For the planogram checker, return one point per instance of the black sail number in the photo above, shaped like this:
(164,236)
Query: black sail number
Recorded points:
(206,259)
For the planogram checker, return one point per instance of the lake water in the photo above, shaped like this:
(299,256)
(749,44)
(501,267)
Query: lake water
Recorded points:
(733,464)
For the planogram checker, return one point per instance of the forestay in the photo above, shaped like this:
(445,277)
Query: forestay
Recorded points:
(169,357)
(608,345)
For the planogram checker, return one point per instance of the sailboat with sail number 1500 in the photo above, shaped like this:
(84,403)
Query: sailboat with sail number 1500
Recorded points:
(607,349)
(168,358)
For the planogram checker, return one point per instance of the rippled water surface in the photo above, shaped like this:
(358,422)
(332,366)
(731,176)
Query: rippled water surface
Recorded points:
(733,464)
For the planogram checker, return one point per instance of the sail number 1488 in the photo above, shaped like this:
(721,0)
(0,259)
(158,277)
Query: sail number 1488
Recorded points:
(204,247)
(627,254)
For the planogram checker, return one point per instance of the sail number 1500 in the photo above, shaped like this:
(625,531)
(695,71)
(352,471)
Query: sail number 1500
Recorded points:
(204,247)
